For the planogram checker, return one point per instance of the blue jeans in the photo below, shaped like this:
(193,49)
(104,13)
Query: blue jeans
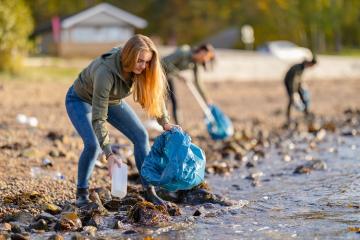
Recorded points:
(121,116)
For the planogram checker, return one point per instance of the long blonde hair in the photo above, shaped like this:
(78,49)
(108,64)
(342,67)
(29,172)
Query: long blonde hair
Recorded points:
(149,86)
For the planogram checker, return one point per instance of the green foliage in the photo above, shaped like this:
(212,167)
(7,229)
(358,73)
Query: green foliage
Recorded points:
(15,26)
(323,25)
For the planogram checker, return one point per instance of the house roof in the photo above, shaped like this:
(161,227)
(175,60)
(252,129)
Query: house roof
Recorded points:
(110,10)
(70,20)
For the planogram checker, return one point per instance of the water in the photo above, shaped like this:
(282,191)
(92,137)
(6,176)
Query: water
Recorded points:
(319,205)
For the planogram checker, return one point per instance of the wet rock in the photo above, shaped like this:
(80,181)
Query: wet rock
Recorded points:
(208,206)
(250,164)
(254,176)
(256,183)
(320,135)
(310,166)
(4,236)
(52,135)
(131,200)
(52,208)
(313,127)
(24,199)
(18,236)
(238,156)
(318,165)
(69,208)
(354,229)
(90,230)
(329,126)
(113,205)
(236,187)
(92,209)
(69,222)
(118,225)
(287,158)
(201,196)
(16,146)
(15,228)
(47,217)
(78,236)
(199,212)
(128,232)
(96,221)
(148,214)
(210,170)
(348,132)
(41,224)
(94,197)
(173,209)
(302,170)
(5,227)
(104,194)
(54,153)
(56,237)
(167,196)
(221,168)
(259,152)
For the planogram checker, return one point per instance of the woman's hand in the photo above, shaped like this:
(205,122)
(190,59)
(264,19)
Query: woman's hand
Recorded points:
(169,126)
(111,160)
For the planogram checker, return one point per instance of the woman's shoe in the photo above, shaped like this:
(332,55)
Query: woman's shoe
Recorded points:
(82,197)
(151,196)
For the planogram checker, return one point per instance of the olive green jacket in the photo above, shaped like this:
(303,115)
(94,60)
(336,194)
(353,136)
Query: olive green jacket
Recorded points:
(102,84)
(181,60)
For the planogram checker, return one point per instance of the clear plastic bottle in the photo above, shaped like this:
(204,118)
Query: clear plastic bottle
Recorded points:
(119,180)
(38,172)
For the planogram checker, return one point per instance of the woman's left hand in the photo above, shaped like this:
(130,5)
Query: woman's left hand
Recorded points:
(169,126)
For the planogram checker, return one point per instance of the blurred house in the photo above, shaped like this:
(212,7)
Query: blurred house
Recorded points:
(87,33)
(227,38)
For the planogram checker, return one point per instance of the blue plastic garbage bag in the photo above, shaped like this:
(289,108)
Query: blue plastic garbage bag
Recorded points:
(301,104)
(221,128)
(174,163)
(306,96)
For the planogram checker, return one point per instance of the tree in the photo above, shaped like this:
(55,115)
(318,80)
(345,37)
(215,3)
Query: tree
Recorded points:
(15,27)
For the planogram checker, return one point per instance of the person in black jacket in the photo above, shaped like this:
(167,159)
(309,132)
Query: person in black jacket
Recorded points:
(293,84)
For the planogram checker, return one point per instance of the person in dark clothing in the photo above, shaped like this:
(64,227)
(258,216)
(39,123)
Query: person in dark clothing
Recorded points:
(185,58)
(293,84)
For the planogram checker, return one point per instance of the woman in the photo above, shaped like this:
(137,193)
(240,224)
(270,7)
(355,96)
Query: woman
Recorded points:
(96,97)
(185,58)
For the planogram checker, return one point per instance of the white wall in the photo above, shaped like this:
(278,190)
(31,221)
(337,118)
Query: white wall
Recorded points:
(104,34)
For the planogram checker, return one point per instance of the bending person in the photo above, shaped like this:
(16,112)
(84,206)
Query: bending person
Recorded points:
(185,58)
(293,84)
(96,97)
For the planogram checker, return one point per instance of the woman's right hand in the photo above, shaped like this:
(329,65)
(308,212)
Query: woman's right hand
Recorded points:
(169,126)
(111,160)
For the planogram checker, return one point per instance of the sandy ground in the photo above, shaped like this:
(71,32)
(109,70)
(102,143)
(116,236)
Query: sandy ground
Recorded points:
(243,102)
(23,147)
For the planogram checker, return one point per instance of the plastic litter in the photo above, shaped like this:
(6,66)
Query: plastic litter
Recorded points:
(174,163)
(38,172)
(23,119)
(298,103)
(33,122)
(153,125)
(220,127)
(119,180)
(46,163)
